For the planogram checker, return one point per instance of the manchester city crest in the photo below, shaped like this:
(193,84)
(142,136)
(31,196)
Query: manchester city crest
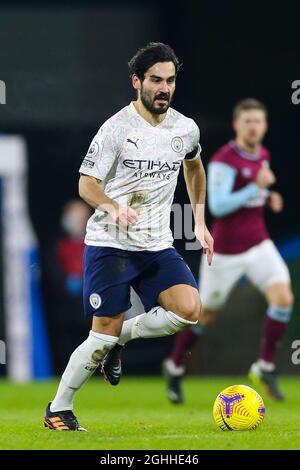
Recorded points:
(95,300)
(177,144)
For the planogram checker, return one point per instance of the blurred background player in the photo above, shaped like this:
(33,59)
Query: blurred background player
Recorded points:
(64,282)
(238,180)
(129,177)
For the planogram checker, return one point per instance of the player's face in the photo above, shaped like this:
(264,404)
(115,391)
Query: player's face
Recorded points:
(157,88)
(251,126)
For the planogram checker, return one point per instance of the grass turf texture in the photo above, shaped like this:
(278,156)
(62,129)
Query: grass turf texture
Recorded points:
(137,415)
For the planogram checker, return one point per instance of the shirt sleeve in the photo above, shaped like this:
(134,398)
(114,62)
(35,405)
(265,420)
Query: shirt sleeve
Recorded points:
(194,149)
(221,199)
(102,153)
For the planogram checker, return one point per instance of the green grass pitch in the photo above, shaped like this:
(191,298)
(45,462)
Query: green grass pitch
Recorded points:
(137,415)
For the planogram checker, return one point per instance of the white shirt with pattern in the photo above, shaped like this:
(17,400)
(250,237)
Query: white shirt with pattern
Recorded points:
(138,165)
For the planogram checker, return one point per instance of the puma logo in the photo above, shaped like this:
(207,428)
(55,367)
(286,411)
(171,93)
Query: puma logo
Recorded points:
(155,312)
(132,142)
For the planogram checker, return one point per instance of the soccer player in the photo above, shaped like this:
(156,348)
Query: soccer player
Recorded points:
(129,177)
(239,176)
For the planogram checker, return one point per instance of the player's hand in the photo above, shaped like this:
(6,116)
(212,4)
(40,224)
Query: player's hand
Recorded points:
(126,216)
(275,201)
(123,215)
(206,240)
(265,178)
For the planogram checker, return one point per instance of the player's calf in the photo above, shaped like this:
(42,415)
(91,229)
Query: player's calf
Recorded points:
(274,326)
(153,324)
(82,364)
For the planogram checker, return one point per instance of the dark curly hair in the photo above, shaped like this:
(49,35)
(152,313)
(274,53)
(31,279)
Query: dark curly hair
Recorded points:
(149,55)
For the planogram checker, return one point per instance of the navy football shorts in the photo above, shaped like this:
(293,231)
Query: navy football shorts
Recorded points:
(109,273)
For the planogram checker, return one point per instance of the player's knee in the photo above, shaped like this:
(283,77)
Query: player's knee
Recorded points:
(192,311)
(108,325)
(189,310)
(287,299)
(284,298)
(280,295)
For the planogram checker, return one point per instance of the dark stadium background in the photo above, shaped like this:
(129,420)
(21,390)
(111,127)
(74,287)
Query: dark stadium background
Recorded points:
(65,68)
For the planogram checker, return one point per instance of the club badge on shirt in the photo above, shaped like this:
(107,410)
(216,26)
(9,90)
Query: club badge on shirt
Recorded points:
(177,144)
(93,150)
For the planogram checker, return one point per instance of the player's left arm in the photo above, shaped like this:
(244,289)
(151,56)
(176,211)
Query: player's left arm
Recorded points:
(275,201)
(195,179)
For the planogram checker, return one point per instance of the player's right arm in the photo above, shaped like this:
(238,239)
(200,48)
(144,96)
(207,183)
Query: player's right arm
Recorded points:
(91,192)
(95,168)
(222,200)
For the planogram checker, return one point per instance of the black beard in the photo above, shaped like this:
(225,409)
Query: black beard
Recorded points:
(150,105)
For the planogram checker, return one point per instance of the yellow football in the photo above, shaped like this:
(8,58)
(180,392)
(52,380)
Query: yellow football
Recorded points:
(238,408)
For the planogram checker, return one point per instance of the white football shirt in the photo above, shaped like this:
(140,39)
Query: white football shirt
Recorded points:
(138,165)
